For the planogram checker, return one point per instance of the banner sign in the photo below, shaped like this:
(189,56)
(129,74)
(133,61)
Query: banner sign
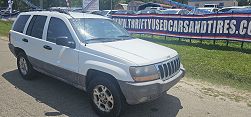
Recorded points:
(213,26)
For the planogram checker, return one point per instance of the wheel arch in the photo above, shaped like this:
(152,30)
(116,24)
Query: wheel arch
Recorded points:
(18,50)
(93,73)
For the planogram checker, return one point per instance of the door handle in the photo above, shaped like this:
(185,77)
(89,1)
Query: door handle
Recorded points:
(25,40)
(47,47)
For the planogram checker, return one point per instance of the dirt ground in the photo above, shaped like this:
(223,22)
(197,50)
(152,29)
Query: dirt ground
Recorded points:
(46,96)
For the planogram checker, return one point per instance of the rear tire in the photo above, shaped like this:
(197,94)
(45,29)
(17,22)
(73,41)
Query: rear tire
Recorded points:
(105,97)
(24,67)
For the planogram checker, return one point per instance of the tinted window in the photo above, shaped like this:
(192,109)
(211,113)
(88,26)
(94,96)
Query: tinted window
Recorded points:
(57,28)
(29,29)
(20,23)
(36,26)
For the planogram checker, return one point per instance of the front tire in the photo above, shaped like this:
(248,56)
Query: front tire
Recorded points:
(106,98)
(24,67)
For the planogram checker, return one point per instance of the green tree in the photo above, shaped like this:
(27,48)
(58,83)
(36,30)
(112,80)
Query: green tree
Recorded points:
(19,5)
(181,1)
(243,2)
(106,4)
(3,3)
(76,3)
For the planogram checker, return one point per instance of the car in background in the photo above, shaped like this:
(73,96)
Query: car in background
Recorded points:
(96,12)
(77,10)
(209,9)
(6,13)
(175,11)
(211,6)
(226,9)
(243,10)
(156,8)
(66,9)
(150,11)
(201,11)
(128,12)
(107,13)
(59,8)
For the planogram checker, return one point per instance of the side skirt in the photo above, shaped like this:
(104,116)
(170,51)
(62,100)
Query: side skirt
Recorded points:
(75,79)
(61,79)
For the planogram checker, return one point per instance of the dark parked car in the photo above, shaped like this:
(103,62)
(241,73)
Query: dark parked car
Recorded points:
(125,12)
(226,9)
(150,11)
(5,13)
(244,10)
(175,11)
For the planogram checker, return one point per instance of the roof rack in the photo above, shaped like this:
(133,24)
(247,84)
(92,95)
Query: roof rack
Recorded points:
(64,11)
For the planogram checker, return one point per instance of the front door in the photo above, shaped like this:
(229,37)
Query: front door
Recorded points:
(64,60)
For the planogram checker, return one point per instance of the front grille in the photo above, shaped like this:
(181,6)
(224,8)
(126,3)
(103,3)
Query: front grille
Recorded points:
(169,68)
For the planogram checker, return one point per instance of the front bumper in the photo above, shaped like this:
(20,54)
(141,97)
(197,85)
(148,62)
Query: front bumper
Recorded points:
(136,93)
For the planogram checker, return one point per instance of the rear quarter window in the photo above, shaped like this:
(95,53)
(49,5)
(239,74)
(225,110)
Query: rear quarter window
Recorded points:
(20,23)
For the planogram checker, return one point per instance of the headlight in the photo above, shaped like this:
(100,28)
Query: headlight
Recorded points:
(145,73)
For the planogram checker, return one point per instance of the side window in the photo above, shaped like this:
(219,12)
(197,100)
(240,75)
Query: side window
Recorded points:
(29,29)
(57,28)
(36,26)
(20,23)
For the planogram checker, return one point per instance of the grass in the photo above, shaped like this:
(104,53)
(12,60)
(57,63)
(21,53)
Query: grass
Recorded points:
(217,63)
(5,27)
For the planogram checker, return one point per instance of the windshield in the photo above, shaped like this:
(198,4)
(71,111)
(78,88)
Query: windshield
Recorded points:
(99,30)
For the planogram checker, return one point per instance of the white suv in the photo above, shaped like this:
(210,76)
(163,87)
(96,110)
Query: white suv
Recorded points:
(95,54)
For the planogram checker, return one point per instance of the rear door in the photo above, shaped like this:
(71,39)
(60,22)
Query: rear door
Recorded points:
(35,41)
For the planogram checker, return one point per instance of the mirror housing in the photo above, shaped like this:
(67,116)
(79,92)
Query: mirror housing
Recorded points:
(64,41)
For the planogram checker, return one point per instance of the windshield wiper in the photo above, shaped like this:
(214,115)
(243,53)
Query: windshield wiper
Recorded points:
(124,36)
(103,39)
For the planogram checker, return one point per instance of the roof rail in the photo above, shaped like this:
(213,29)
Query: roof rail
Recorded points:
(64,11)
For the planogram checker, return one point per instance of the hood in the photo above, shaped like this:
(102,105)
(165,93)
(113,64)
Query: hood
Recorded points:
(136,51)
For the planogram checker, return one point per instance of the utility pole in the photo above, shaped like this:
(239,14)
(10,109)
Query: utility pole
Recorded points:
(111,4)
(41,4)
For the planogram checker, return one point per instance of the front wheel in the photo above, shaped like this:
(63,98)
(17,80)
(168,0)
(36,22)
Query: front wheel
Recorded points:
(106,98)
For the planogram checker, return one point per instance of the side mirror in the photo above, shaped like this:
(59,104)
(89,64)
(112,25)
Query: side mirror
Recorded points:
(64,41)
